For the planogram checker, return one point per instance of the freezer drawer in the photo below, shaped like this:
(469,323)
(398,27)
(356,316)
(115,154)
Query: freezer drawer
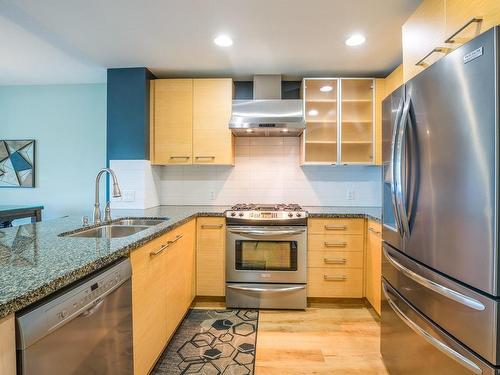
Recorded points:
(467,315)
(412,345)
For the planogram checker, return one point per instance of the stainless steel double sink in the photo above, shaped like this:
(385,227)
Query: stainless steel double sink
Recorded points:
(117,229)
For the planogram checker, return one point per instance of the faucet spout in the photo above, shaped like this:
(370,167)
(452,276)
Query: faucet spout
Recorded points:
(116,193)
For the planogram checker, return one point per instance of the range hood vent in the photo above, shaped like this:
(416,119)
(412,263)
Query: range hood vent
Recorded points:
(267,114)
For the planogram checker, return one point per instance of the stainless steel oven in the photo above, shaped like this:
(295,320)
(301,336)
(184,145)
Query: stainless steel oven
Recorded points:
(266,260)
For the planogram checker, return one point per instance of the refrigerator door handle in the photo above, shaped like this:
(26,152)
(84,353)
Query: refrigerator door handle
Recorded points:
(400,190)
(438,344)
(438,288)
(393,166)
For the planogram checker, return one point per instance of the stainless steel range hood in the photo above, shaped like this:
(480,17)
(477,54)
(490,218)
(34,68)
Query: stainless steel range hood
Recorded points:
(267,114)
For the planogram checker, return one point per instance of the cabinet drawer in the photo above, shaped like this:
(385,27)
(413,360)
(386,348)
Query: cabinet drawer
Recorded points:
(335,259)
(339,242)
(328,282)
(328,226)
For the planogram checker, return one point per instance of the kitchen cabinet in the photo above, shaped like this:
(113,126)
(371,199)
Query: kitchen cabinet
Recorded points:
(213,142)
(373,272)
(190,121)
(210,256)
(335,257)
(173,121)
(339,121)
(7,345)
(160,292)
(423,37)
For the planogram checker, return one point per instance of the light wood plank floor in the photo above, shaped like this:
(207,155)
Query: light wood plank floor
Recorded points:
(324,339)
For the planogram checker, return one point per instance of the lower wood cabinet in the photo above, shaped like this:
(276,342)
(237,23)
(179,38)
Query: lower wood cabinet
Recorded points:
(373,272)
(335,257)
(162,290)
(210,256)
(7,345)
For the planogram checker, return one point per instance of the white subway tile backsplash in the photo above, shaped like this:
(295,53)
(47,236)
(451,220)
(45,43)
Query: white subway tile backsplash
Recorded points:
(267,170)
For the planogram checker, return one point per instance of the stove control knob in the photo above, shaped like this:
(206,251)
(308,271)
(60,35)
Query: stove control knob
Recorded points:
(241,214)
(290,214)
(299,214)
(233,213)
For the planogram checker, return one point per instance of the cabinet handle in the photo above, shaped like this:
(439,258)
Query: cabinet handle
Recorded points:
(336,227)
(167,245)
(204,157)
(335,244)
(451,38)
(374,231)
(211,226)
(334,278)
(421,62)
(179,157)
(335,261)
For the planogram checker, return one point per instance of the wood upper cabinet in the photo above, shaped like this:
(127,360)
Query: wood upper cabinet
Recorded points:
(162,291)
(190,121)
(423,33)
(460,13)
(373,271)
(212,138)
(211,252)
(173,121)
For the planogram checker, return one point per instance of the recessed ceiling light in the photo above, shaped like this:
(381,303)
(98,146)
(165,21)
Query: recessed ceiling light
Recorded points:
(249,130)
(355,40)
(223,41)
(313,112)
(284,130)
(326,88)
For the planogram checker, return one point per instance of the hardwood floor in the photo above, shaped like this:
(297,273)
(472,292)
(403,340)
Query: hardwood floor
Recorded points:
(327,338)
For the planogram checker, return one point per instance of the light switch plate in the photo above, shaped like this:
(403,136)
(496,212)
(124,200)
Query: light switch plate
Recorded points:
(128,196)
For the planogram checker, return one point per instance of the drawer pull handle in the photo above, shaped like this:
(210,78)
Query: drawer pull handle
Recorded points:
(336,227)
(374,231)
(335,244)
(164,247)
(211,226)
(421,62)
(335,261)
(451,38)
(334,278)
(205,157)
(179,157)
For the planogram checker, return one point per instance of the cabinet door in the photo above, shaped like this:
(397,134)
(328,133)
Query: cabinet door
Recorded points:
(320,137)
(460,12)
(173,121)
(179,274)
(149,304)
(7,345)
(211,252)
(373,265)
(422,32)
(212,139)
(357,125)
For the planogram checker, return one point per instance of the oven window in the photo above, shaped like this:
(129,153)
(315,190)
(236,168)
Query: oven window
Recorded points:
(266,255)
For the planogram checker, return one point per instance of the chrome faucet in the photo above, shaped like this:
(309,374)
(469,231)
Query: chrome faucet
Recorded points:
(116,193)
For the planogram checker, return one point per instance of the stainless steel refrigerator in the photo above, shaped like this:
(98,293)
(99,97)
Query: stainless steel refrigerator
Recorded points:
(440,261)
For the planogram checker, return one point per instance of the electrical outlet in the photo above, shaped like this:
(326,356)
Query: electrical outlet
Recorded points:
(350,195)
(212,195)
(128,195)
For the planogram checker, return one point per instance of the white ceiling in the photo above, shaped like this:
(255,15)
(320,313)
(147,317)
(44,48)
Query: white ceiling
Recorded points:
(69,41)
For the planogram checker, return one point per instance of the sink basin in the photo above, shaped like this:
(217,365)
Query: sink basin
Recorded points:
(110,231)
(145,222)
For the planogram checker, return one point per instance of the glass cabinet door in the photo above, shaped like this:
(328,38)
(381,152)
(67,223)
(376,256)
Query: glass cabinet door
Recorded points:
(356,130)
(320,142)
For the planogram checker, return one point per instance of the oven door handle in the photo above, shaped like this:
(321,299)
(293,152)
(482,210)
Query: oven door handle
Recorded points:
(267,233)
(267,290)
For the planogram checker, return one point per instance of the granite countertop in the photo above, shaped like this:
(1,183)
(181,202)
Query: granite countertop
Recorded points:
(35,261)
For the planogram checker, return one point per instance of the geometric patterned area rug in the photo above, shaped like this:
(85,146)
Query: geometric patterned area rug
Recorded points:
(212,342)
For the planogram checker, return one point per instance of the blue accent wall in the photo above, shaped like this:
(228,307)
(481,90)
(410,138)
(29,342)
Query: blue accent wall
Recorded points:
(128,114)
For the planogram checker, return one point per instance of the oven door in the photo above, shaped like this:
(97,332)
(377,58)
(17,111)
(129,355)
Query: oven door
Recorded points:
(274,254)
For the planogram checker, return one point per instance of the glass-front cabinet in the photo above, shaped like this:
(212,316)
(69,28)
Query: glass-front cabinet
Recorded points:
(339,121)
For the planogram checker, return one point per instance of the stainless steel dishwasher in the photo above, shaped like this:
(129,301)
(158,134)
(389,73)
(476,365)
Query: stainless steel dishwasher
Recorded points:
(84,329)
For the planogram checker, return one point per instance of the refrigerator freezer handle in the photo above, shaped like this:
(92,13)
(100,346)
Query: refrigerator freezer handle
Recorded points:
(394,141)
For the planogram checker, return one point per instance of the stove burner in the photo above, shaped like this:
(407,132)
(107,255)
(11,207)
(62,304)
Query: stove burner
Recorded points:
(266,207)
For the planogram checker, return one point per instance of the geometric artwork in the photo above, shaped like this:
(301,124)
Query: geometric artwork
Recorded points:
(17,163)
(212,342)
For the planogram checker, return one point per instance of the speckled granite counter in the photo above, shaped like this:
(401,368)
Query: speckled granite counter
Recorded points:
(35,261)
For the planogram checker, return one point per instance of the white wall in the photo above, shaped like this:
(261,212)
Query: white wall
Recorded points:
(267,170)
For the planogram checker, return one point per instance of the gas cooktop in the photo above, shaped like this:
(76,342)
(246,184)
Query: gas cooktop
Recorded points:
(266,214)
